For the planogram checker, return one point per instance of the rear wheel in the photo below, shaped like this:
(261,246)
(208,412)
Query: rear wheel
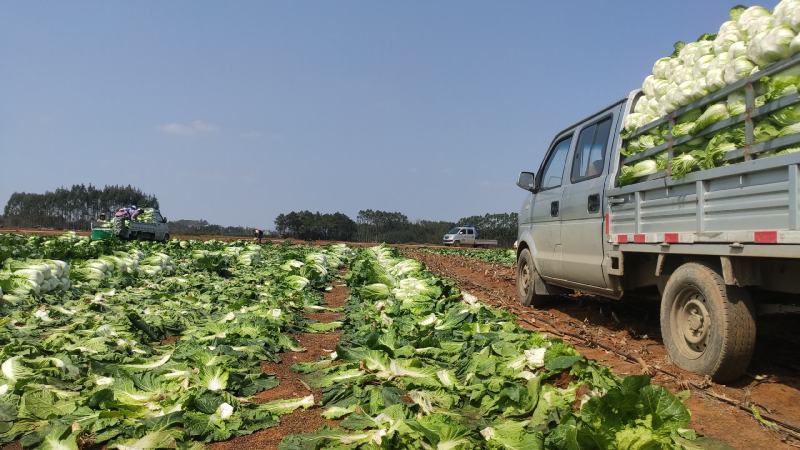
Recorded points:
(707,326)
(166,237)
(527,280)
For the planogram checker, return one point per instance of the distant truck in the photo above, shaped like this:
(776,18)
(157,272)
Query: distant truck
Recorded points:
(719,245)
(154,228)
(467,235)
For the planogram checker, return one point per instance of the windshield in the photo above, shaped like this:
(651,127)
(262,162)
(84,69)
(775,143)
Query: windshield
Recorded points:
(453,230)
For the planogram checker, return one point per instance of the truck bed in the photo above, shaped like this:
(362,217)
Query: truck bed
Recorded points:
(750,202)
(753,201)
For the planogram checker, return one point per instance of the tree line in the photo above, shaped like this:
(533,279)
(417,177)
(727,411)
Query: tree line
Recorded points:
(316,226)
(71,208)
(202,227)
(78,206)
(390,227)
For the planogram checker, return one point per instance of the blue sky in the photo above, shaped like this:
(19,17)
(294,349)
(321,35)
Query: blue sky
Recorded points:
(237,111)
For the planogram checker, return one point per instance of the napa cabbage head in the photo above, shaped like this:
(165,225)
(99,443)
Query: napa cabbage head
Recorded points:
(787,13)
(770,45)
(629,174)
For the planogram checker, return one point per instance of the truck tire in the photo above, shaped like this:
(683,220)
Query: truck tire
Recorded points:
(707,326)
(166,237)
(527,280)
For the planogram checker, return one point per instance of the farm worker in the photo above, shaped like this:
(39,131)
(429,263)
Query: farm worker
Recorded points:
(259,233)
(135,213)
(101,221)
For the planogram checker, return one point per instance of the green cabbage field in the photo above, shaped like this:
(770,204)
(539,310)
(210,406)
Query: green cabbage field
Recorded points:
(93,358)
(136,345)
(503,256)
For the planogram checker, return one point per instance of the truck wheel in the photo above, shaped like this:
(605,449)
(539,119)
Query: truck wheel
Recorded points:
(707,326)
(527,278)
(166,237)
(456,243)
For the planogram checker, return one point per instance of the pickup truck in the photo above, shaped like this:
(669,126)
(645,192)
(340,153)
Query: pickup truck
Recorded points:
(467,235)
(155,230)
(719,246)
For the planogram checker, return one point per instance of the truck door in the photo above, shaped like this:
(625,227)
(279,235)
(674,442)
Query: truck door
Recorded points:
(546,211)
(470,236)
(582,211)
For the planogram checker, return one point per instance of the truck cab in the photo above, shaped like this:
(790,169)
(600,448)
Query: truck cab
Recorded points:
(460,236)
(561,220)
(708,243)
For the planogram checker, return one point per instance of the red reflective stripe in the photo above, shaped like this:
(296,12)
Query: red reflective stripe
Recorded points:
(622,238)
(766,237)
(639,238)
(608,224)
(671,238)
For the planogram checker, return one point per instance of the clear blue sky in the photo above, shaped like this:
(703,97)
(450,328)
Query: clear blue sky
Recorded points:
(237,111)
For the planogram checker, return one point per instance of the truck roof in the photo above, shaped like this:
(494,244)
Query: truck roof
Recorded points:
(616,103)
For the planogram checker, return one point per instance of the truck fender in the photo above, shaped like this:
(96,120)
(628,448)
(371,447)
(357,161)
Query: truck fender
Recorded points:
(526,241)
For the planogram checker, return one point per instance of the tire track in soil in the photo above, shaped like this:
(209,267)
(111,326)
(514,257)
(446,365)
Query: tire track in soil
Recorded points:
(291,385)
(632,333)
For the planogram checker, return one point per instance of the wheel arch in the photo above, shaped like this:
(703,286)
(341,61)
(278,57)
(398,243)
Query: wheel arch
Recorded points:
(526,241)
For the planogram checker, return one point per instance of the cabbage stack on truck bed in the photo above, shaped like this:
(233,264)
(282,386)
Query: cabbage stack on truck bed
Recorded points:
(726,98)
(146,216)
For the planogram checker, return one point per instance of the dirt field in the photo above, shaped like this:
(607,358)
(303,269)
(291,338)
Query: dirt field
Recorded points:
(605,330)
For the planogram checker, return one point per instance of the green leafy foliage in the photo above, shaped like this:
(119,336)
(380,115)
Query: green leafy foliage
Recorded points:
(424,366)
(502,256)
(149,345)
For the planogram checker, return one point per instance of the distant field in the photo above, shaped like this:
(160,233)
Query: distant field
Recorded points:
(504,256)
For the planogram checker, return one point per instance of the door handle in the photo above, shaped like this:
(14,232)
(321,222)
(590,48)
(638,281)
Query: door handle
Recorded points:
(593,203)
(554,208)
(616,200)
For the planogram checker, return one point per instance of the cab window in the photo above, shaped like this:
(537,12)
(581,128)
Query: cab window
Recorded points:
(553,170)
(469,231)
(590,152)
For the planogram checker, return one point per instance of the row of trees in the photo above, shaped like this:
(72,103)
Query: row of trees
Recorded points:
(199,227)
(316,226)
(391,227)
(71,208)
(395,228)
(77,206)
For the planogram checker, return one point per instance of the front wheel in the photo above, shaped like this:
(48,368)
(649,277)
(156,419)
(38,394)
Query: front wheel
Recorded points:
(707,326)
(527,279)
(166,237)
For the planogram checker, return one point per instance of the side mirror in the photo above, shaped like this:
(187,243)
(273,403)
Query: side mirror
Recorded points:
(164,220)
(526,181)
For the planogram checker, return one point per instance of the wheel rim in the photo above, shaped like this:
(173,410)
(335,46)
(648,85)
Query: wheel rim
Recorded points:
(524,277)
(691,322)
